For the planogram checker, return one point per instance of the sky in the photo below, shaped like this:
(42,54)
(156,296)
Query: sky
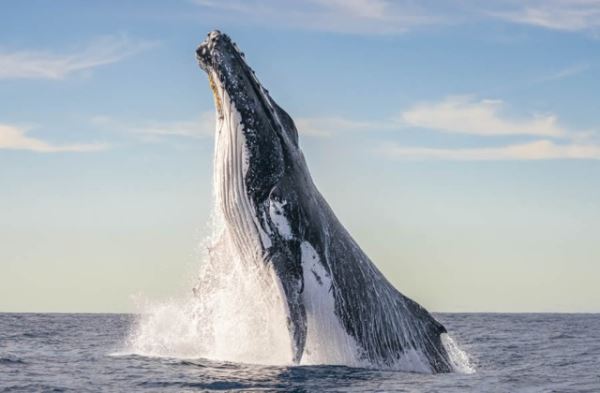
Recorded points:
(458,141)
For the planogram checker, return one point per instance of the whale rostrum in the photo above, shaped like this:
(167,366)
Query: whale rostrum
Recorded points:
(277,218)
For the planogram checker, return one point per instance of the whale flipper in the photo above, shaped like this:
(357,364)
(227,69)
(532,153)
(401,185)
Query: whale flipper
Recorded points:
(285,257)
(292,285)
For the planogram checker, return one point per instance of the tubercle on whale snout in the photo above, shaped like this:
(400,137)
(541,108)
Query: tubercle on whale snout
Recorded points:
(213,49)
(204,50)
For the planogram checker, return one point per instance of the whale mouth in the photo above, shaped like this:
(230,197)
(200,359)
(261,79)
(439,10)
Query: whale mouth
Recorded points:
(221,59)
(204,56)
(216,95)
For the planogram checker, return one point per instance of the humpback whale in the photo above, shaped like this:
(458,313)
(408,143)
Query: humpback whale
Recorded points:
(276,218)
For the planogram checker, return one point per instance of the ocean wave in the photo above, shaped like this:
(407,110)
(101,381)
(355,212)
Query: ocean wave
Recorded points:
(11,360)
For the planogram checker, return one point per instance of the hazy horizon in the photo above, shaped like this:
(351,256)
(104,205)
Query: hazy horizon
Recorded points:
(459,145)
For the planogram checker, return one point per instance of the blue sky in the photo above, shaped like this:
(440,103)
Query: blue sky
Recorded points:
(458,141)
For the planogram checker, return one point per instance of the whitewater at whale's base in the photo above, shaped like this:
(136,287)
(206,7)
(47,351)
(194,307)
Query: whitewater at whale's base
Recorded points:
(71,353)
(234,315)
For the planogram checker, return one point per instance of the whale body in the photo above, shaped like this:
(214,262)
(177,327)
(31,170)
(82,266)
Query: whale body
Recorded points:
(276,218)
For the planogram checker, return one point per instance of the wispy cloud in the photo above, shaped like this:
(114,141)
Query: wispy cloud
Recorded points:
(340,16)
(565,73)
(16,138)
(41,64)
(452,114)
(479,118)
(463,114)
(537,150)
(485,118)
(398,16)
(566,15)
(154,131)
(328,126)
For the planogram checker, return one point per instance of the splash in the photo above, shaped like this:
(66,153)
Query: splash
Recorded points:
(235,313)
(459,358)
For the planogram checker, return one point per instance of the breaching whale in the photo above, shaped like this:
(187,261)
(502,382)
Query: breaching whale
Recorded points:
(276,217)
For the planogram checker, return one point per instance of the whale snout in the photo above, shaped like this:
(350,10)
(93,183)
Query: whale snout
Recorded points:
(214,42)
(204,51)
(203,56)
(218,50)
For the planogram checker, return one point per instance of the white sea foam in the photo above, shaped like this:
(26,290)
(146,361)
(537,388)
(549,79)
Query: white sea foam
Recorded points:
(235,315)
(458,358)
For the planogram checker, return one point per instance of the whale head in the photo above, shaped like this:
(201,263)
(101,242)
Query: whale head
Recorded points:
(269,135)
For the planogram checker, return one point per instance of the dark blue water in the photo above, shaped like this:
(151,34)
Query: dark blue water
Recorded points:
(512,353)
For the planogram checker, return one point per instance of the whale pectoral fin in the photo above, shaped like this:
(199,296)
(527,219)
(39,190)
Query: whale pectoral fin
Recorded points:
(286,258)
(289,271)
(296,318)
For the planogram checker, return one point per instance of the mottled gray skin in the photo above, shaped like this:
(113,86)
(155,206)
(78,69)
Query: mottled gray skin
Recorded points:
(383,322)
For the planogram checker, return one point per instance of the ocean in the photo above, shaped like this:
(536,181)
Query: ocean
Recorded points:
(509,352)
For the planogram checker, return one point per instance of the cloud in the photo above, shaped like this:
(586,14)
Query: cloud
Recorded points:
(565,73)
(29,64)
(199,128)
(537,150)
(468,116)
(397,16)
(16,138)
(452,114)
(461,114)
(485,118)
(340,16)
(328,126)
(153,131)
(565,15)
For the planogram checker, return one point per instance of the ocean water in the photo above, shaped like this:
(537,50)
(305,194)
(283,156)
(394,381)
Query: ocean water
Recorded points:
(85,353)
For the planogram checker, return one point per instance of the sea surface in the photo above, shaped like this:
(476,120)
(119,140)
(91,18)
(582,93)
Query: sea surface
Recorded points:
(510,352)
